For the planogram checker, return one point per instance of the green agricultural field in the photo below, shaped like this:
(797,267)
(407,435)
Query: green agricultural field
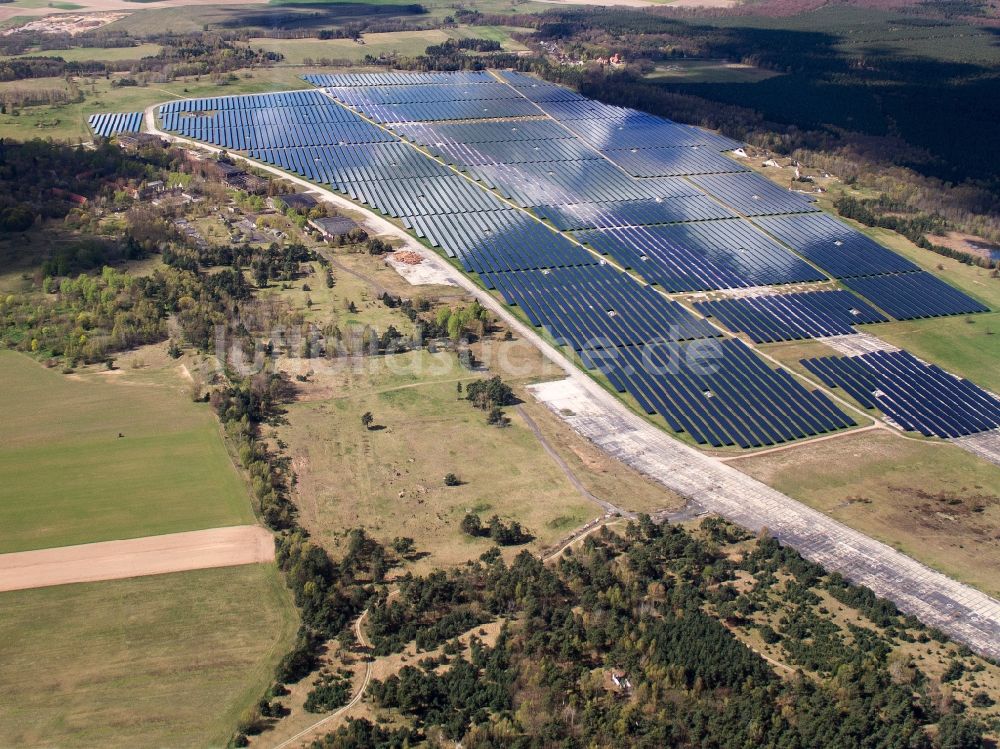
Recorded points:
(83,54)
(67,478)
(404,43)
(162,661)
(709,71)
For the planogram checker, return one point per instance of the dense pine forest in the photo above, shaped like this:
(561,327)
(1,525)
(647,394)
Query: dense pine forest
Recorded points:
(646,637)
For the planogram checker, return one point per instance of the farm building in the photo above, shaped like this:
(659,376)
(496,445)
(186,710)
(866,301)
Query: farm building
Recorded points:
(298,201)
(333,226)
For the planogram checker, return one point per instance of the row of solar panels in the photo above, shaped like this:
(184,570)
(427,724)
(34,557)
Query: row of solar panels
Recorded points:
(706,255)
(919,397)
(720,392)
(397,79)
(595,307)
(287,116)
(290,136)
(113,123)
(788,317)
(366,96)
(637,212)
(449,110)
(246,102)
(499,241)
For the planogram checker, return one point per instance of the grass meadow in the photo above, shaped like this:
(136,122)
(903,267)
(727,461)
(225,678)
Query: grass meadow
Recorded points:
(390,480)
(933,501)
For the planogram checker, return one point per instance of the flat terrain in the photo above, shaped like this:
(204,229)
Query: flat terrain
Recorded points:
(163,661)
(709,71)
(137,557)
(403,43)
(965,345)
(66,477)
(390,480)
(935,502)
(78,54)
(933,597)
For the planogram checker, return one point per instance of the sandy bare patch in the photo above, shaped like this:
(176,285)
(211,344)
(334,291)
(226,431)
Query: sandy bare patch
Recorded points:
(137,557)
(66,23)
(410,266)
(962,242)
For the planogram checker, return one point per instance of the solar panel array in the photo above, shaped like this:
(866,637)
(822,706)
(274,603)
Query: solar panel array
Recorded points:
(701,256)
(464,160)
(789,317)
(910,295)
(597,307)
(833,246)
(720,393)
(919,397)
(113,123)
(499,241)
(637,212)
(397,79)
(893,283)
(753,195)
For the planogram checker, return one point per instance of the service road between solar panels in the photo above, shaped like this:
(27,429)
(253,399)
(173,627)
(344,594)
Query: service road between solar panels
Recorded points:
(596,225)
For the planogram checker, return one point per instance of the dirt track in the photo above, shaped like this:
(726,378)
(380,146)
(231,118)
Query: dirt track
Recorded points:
(152,555)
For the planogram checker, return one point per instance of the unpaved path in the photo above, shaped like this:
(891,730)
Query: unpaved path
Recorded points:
(609,508)
(136,557)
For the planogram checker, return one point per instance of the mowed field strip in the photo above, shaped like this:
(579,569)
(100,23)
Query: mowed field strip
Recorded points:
(136,557)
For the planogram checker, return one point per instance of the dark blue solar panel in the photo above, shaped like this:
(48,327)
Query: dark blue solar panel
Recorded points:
(107,125)
(423,94)
(464,155)
(910,295)
(577,216)
(595,307)
(719,392)
(834,246)
(702,256)
(672,162)
(341,165)
(919,397)
(428,134)
(788,317)
(574,182)
(753,195)
(449,110)
(398,79)
(499,241)
(640,130)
